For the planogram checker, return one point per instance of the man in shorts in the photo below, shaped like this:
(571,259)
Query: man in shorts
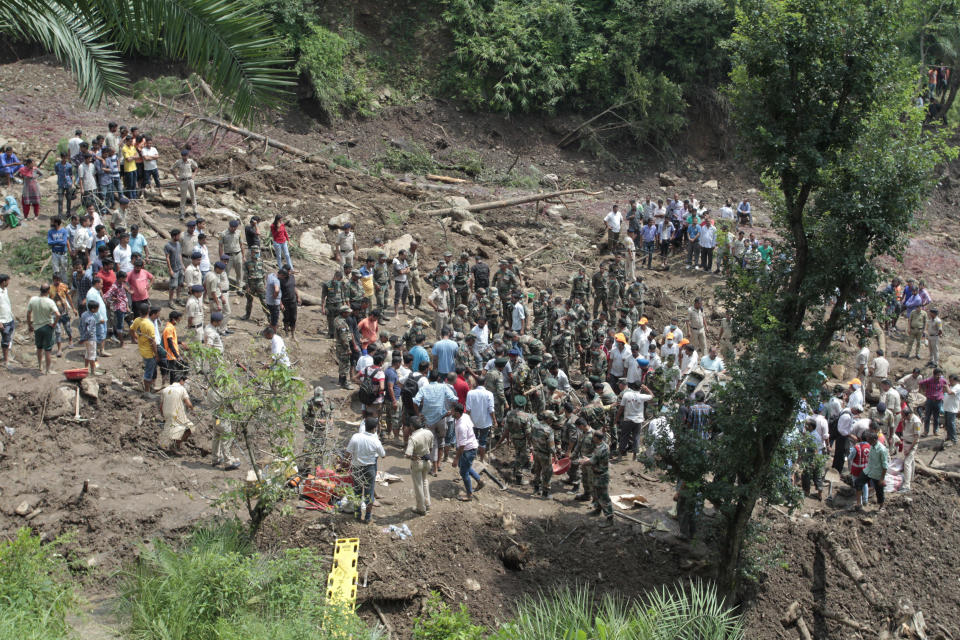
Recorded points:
(7,322)
(42,318)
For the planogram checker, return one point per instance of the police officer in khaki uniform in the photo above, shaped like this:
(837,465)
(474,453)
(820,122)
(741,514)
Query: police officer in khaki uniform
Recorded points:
(230,245)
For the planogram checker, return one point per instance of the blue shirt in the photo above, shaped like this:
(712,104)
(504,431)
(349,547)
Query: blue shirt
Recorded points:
(419,355)
(64,171)
(93,294)
(10,159)
(445,350)
(434,400)
(57,240)
(111,168)
(391,378)
(137,243)
(88,326)
(650,233)
(272,282)
(693,231)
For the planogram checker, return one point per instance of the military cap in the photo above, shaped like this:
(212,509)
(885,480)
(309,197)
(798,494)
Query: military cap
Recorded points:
(500,362)
(520,400)
(219,265)
(549,416)
(534,358)
(551,382)
(344,307)
(216,316)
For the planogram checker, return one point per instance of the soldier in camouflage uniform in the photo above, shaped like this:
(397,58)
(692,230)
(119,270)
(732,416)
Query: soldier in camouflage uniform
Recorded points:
(541,438)
(584,449)
(540,312)
(531,345)
(314,415)
(461,278)
(613,292)
(353,290)
(562,346)
(519,426)
(331,298)
(493,381)
(636,294)
(597,362)
(381,282)
(599,284)
(414,334)
(465,356)
(573,444)
(504,281)
(583,337)
(459,322)
(580,285)
(492,303)
(253,276)
(599,462)
(533,384)
(344,347)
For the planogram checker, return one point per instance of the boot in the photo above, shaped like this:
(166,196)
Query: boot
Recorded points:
(596,511)
(417,300)
(582,497)
(607,522)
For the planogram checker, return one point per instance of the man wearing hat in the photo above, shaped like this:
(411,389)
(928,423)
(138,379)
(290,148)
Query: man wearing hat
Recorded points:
(345,246)
(184,171)
(212,336)
(934,333)
(211,286)
(599,464)
(494,382)
(504,281)
(440,301)
(544,447)
(345,345)
(381,282)
(462,278)
(413,275)
(192,275)
(519,425)
(332,296)
(254,280)
(355,296)
(194,311)
(231,246)
(188,242)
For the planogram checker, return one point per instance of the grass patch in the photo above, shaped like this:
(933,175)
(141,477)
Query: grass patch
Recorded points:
(440,622)
(345,161)
(414,159)
(216,587)
(36,592)
(28,256)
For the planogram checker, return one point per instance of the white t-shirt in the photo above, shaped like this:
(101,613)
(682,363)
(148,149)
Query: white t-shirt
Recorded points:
(633,403)
(519,315)
(613,220)
(123,257)
(363,362)
(150,155)
(278,349)
(483,337)
(618,360)
(726,213)
(951,399)
(480,405)
(364,449)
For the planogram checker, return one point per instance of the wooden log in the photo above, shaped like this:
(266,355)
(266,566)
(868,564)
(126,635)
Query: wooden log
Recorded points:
(447,179)
(935,473)
(848,565)
(836,616)
(535,251)
(794,616)
(153,224)
(500,204)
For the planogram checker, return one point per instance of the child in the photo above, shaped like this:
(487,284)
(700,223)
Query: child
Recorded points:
(88,335)
(116,299)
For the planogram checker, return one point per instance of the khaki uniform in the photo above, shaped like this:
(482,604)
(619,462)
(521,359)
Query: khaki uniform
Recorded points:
(413,262)
(697,329)
(347,243)
(419,446)
(933,336)
(917,324)
(231,247)
(183,171)
(225,298)
(441,315)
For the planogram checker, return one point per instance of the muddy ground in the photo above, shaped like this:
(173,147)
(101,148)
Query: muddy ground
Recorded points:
(135,492)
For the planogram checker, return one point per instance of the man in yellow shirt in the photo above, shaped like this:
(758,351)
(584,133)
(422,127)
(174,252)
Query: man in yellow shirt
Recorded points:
(145,333)
(129,153)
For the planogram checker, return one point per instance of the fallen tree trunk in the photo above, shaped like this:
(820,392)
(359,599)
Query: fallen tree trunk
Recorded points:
(836,616)
(217,122)
(935,473)
(150,222)
(848,565)
(447,179)
(794,616)
(500,204)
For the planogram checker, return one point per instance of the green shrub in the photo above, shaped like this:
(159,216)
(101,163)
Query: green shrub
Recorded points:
(29,257)
(164,86)
(332,64)
(345,161)
(216,588)
(440,622)
(36,592)
(413,159)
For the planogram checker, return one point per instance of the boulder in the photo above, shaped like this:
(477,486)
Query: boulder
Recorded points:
(668,179)
(551,180)
(506,239)
(314,242)
(230,201)
(266,167)
(338,221)
(24,508)
(711,184)
(223,213)
(468,227)
(60,402)
(90,388)
(460,214)
(556,211)
(394,245)
(458,202)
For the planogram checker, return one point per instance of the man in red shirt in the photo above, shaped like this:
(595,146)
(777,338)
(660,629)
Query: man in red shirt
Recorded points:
(369,328)
(460,385)
(139,281)
(108,275)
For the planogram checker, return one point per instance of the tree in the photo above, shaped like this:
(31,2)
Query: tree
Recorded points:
(822,100)
(226,43)
(259,403)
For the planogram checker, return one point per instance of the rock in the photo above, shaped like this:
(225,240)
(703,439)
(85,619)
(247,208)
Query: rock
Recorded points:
(24,508)
(92,562)
(60,402)
(556,211)
(338,221)
(711,184)
(471,585)
(229,200)
(393,246)
(668,179)
(314,243)
(33,514)
(468,227)
(460,214)
(458,202)
(550,180)
(90,388)
(224,213)
(137,459)
(507,239)
(751,191)
(167,200)
(265,167)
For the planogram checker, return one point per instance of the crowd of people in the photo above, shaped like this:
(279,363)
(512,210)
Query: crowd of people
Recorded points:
(570,377)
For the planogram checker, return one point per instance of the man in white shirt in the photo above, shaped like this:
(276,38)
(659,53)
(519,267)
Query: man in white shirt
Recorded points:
(364,449)
(123,254)
(519,316)
(613,221)
(482,332)
(7,322)
(688,359)
(844,427)
(951,405)
(712,361)
(481,409)
(726,211)
(467,446)
(708,243)
(174,403)
(641,338)
(73,144)
(863,359)
(618,359)
(630,416)
(278,349)
(150,156)
(856,394)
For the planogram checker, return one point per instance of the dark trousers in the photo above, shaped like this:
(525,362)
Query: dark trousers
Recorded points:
(931,409)
(840,453)
(706,258)
(629,436)
(863,479)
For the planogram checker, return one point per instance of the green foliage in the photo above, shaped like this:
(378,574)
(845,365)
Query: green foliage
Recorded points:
(163,87)
(669,614)
(333,64)
(345,161)
(215,587)
(36,592)
(29,257)
(227,43)
(415,158)
(440,622)
(466,160)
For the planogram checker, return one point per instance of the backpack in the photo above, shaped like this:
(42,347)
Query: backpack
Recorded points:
(481,275)
(367,391)
(410,387)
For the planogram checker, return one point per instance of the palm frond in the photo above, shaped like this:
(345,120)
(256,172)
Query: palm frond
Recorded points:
(228,44)
(77,41)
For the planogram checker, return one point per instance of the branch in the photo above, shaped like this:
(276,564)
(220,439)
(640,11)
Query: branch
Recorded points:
(501,204)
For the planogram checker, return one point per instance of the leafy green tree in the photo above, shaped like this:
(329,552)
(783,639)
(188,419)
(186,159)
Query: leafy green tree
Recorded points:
(822,99)
(230,45)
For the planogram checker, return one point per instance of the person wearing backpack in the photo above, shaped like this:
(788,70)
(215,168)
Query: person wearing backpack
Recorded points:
(481,273)
(372,386)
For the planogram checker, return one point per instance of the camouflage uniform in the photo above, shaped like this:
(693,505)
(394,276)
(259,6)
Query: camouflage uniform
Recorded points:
(531,346)
(536,398)
(573,436)
(492,304)
(254,279)
(613,294)
(579,287)
(586,450)
(459,322)
(344,337)
(540,312)
(410,338)
(505,281)
(597,363)
(461,281)
(332,294)
(313,416)
(354,293)
(519,426)
(599,282)
(600,469)
(636,293)
(381,284)
(494,383)
(541,437)
(562,347)
(583,336)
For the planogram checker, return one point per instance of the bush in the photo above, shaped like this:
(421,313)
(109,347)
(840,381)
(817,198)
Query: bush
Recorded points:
(216,588)
(413,159)
(29,257)
(36,592)
(331,62)
(440,622)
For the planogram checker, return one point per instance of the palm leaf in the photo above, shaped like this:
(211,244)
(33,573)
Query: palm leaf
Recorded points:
(76,41)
